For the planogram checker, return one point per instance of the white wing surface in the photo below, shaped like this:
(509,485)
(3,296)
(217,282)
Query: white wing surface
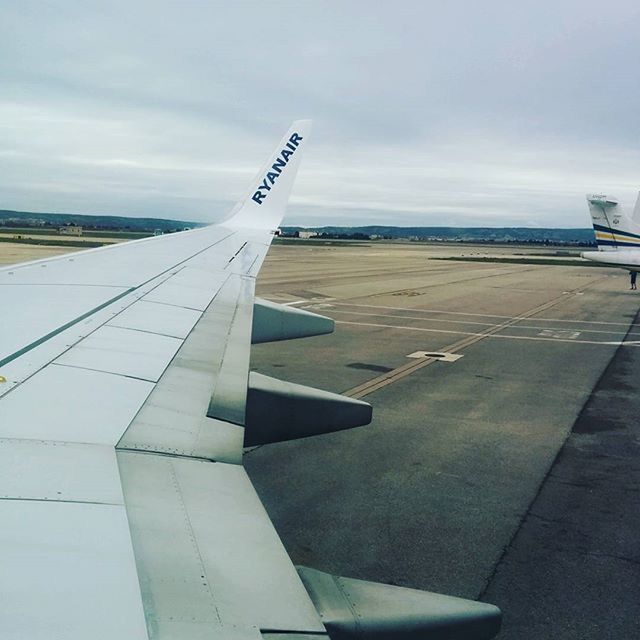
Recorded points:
(125,512)
(125,401)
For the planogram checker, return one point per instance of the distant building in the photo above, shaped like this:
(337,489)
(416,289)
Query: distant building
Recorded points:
(307,234)
(70,230)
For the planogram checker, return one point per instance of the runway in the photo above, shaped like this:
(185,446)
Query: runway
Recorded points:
(441,491)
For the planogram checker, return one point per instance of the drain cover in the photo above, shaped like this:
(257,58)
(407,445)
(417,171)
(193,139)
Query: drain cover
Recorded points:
(437,355)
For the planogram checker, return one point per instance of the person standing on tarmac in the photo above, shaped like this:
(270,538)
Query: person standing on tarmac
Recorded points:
(634,275)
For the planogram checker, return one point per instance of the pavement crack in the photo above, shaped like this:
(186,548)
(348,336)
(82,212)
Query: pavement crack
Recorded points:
(545,519)
(614,556)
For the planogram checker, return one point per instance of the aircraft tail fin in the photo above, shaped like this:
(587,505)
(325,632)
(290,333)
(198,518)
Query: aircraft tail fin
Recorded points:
(264,205)
(635,216)
(613,228)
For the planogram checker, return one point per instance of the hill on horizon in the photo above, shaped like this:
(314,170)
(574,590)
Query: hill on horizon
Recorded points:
(487,234)
(30,218)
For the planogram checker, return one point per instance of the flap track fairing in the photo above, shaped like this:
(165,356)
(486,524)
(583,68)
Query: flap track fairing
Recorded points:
(355,609)
(279,410)
(273,322)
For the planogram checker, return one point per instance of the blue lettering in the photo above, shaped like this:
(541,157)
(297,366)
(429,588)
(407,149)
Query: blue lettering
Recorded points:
(280,162)
(295,139)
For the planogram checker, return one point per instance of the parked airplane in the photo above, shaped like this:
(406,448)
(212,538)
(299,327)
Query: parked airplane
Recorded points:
(125,403)
(617,234)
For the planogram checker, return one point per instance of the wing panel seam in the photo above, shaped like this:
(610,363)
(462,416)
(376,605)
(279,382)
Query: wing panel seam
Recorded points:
(66,501)
(120,375)
(64,327)
(84,316)
(193,540)
(169,454)
(175,355)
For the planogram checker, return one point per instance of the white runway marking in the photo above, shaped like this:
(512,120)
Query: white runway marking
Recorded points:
(311,307)
(315,304)
(471,322)
(495,335)
(481,315)
(562,333)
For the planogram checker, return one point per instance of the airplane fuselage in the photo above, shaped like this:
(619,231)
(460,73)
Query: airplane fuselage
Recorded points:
(629,260)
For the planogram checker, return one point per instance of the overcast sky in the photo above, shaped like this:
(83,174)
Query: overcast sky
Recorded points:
(425,113)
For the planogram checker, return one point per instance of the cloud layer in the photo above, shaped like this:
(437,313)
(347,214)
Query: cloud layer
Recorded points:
(493,113)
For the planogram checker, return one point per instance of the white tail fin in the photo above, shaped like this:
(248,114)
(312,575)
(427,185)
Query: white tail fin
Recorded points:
(264,205)
(613,228)
(635,216)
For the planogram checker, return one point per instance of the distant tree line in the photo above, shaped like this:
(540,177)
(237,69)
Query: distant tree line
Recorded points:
(479,235)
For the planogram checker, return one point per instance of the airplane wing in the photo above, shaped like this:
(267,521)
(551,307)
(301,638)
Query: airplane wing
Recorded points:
(125,403)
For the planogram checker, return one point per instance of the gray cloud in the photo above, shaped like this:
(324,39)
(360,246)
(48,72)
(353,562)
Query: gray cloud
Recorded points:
(494,113)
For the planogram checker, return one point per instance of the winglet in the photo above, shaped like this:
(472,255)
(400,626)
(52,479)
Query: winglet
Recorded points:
(264,205)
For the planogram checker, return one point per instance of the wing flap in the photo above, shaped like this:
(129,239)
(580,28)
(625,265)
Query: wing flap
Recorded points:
(206,551)
(197,408)
(229,397)
(68,572)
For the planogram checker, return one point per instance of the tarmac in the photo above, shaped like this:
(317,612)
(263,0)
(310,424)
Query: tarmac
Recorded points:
(505,469)
(509,474)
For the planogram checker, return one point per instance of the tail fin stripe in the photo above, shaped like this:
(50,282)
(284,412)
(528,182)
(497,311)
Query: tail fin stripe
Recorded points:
(616,243)
(615,232)
(612,227)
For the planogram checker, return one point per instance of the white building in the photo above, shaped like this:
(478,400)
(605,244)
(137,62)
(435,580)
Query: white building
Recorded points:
(70,230)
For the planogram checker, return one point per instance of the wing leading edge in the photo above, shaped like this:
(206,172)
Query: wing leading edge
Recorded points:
(126,403)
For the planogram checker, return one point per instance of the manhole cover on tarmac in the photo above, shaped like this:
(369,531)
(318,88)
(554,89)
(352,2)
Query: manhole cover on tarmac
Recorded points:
(437,355)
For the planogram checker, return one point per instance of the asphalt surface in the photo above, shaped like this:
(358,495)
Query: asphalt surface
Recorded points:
(510,474)
(573,569)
